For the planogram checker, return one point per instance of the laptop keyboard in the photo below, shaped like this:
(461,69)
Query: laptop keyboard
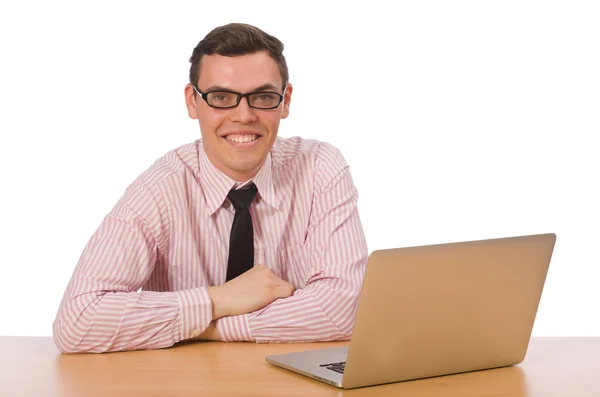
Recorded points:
(337,367)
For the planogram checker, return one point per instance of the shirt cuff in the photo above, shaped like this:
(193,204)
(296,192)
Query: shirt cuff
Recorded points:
(234,328)
(196,312)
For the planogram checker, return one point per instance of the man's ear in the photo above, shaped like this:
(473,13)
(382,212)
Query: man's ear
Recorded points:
(190,101)
(287,100)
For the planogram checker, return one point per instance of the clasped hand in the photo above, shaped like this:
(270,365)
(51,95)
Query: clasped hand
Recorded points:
(248,292)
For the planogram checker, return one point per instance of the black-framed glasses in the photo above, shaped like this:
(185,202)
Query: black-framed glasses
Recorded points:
(224,99)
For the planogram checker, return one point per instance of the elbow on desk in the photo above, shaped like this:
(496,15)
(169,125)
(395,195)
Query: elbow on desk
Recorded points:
(341,323)
(345,320)
(75,328)
(70,336)
(68,342)
(74,332)
(345,329)
(64,339)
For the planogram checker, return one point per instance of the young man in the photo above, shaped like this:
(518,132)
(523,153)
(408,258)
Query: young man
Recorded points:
(239,236)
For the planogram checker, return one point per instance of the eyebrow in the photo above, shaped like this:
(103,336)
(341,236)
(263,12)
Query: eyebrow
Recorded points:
(264,87)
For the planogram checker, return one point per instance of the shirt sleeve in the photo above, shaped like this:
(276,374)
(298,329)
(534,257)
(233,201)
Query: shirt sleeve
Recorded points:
(335,255)
(103,309)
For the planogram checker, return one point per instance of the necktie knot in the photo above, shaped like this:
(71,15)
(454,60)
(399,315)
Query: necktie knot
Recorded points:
(242,198)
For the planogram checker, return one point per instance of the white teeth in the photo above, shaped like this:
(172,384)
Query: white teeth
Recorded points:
(241,138)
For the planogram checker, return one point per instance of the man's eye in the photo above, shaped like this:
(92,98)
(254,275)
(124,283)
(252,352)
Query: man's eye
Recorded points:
(265,97)
(221,97)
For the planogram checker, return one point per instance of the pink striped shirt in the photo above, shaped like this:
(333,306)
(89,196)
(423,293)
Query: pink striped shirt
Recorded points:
(141,281)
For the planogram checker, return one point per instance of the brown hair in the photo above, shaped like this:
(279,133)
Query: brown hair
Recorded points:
(238,39)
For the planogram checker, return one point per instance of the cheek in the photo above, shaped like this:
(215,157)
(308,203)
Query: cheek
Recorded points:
(209,122)
(271,121)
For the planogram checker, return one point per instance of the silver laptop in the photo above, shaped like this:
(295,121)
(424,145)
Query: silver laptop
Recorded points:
(437,310)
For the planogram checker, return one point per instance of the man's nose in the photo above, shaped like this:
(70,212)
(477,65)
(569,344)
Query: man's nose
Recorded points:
(243,113)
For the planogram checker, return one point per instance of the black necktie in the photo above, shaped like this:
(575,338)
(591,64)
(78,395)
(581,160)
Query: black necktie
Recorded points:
(241,242)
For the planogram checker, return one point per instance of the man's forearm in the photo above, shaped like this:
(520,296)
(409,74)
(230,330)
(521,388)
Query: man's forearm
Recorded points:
(117,321)
(299,318)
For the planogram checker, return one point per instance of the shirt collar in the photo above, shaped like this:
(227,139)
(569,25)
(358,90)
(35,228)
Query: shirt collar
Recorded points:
(264,183)
(216,185)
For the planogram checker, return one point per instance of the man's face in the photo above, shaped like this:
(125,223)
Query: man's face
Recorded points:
(237,140)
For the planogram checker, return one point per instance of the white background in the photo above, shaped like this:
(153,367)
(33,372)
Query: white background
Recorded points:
(460,120)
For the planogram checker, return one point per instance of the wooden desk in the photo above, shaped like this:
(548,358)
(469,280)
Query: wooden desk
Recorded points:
(34,367)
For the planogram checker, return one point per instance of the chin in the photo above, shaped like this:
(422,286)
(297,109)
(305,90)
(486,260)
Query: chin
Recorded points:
(245,166)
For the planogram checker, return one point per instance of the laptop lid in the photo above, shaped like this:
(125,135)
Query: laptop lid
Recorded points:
(449,308)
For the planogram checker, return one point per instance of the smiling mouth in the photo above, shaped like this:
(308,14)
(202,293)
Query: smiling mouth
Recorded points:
(242,138)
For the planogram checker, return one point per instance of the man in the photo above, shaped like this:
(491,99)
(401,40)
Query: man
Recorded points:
(239,236)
